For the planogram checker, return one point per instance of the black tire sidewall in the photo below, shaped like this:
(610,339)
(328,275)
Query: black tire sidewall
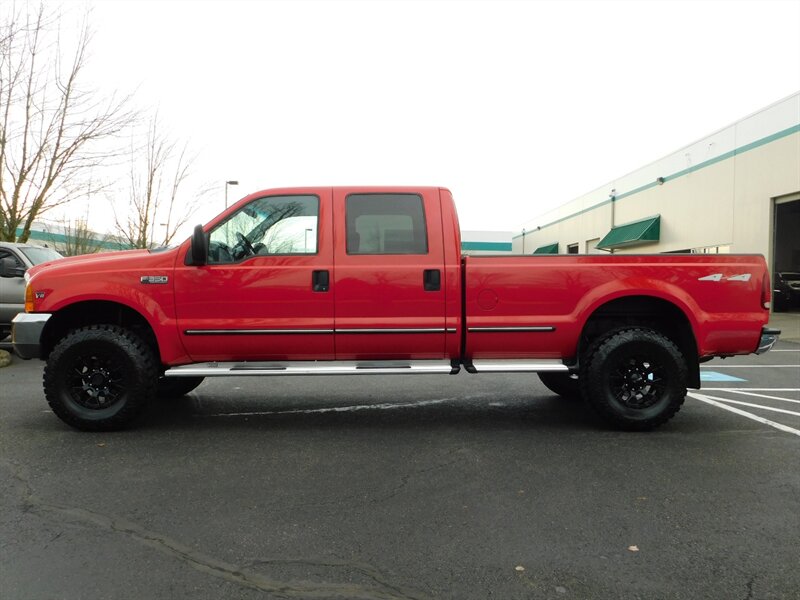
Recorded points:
(139,377)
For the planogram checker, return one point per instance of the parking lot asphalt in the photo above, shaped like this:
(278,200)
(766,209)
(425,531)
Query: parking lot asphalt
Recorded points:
(406,488)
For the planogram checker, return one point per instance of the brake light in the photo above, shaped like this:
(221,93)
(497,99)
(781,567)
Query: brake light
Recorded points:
(766,292)
(28,298)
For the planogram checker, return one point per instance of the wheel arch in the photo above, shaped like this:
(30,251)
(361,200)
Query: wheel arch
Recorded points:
(95,312)
(655,312)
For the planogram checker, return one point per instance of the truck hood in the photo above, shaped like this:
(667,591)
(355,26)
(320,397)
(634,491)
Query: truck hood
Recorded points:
(104,261)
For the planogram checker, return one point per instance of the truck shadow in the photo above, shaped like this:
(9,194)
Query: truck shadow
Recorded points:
(207,411)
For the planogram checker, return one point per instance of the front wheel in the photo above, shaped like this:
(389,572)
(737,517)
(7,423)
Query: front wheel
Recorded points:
(100,377)
(634,379)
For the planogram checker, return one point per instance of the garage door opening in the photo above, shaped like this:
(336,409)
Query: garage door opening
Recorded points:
(786,253)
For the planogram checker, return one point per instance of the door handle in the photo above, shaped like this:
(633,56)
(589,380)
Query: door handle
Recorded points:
(432,280)
(320,281)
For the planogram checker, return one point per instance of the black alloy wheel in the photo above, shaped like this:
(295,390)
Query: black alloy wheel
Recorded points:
(97,380)
(636,382)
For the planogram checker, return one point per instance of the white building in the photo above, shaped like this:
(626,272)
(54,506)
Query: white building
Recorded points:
(486,242)
(736,190)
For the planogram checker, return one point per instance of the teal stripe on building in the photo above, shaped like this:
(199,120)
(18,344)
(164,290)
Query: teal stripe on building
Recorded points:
(486,246)
(712,161)
(60,238)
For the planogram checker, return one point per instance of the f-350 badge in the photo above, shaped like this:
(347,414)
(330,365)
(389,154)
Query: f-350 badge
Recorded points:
(154,279)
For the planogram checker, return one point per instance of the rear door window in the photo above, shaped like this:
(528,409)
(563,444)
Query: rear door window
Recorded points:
(386,224)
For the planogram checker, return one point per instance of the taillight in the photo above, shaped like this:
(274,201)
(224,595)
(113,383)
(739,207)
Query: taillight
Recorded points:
(766,292)
(28,298)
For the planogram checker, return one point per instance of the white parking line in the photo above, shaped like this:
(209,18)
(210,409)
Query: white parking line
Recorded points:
(765,396)
(785,350)
(735,389)
(721,366)
(744,413)
(751,405)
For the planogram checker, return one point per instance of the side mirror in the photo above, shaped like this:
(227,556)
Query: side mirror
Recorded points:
(10,268)
(198,253)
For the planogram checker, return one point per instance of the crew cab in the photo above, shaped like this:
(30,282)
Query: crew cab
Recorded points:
(371,281)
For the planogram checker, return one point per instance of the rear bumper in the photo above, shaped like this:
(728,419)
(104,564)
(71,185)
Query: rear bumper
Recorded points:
(768,339)
(26,333)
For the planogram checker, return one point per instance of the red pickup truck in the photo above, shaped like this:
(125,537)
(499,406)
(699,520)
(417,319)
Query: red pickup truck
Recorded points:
(370,280)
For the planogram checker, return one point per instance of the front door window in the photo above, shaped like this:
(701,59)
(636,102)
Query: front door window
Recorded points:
(275,225)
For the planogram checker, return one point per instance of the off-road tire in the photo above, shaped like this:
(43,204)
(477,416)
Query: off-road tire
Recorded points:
(100,378)
(565,385)
(634,379)
(175,387)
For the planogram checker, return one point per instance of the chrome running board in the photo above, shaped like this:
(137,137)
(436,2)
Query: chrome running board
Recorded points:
(517,366)
(366,367)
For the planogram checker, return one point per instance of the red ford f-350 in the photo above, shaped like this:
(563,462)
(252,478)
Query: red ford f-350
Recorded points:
(370,280)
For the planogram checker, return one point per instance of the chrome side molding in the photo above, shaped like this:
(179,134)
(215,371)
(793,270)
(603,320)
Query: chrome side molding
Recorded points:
(364,367)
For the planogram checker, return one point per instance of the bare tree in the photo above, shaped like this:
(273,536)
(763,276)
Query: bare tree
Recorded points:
(53,129)
(157,203)
(79,239)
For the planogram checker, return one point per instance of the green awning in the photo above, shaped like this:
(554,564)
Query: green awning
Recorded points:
(645,231)
(549,249)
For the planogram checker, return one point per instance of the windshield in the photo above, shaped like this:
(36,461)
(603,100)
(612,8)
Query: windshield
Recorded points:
(37,255)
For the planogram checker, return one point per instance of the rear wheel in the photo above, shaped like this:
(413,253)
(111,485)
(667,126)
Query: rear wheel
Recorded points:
(100,377)
(634,379)
(564,384)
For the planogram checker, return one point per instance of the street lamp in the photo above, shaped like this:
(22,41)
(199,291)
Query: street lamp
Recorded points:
(227,183)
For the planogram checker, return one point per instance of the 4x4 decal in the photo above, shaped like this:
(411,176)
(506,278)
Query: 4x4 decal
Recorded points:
(720,277)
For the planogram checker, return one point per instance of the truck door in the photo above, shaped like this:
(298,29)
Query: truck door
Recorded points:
(265,293)
(389,279)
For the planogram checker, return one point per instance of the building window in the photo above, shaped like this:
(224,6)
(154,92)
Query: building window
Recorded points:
(386,224)
(724,249)
(572,249)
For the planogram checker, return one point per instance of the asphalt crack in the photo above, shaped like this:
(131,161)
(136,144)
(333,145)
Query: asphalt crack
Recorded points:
(242,575)
(750,584)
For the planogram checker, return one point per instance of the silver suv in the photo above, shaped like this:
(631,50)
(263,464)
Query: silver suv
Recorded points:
(15,259)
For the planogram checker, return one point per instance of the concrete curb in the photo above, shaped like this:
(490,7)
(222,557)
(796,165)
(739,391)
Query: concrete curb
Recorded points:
(5,358)
(788,323)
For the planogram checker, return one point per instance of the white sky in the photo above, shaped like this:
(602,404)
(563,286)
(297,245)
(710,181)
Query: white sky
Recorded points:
(517,107)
